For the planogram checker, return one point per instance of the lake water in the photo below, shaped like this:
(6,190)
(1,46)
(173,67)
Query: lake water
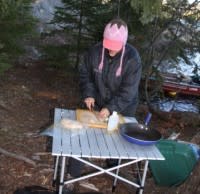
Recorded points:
(182,67)
(186,103)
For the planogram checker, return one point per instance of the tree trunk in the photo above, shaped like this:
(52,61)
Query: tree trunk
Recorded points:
(79,35)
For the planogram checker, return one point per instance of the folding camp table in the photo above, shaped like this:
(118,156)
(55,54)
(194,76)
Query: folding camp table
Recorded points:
(88,143)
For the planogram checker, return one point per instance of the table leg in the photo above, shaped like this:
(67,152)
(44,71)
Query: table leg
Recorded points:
(55,171)
(115,180)
(62,174)
(144,177)
(107,171)
(138,168)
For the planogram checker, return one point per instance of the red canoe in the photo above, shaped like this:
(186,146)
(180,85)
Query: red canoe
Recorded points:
(182,85)
(178,84)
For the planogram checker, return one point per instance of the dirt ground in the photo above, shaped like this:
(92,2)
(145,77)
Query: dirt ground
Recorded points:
(28,96)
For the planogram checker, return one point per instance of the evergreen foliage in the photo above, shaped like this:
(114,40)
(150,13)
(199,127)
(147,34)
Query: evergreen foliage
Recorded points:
(82,22)
(16,22)
(150,9)
(159,31)
(172,38)
(176,34)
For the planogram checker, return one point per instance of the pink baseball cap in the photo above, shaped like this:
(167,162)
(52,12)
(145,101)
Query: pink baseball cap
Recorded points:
(115,37)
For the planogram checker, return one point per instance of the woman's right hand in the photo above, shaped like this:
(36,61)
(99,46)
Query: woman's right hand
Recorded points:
(89,102)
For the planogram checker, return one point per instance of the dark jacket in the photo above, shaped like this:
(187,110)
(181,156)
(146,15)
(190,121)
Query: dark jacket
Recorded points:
(115,93)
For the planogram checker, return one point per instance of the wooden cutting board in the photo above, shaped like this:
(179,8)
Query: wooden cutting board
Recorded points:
(91,119)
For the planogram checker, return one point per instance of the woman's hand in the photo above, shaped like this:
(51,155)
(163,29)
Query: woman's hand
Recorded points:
(89,102)
(104,113)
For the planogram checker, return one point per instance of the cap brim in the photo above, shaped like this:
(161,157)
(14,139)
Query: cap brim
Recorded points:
(112,45)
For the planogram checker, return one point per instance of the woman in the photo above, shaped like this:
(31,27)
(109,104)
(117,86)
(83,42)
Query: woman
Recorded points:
(109,78)
(110,73)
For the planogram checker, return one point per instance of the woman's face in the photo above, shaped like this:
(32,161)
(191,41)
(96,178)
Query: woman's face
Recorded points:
(112,53)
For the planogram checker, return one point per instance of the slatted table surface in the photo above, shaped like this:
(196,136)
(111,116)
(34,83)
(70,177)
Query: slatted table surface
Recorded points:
(96,143)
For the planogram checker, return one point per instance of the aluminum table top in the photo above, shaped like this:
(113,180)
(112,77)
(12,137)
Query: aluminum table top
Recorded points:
(96,143)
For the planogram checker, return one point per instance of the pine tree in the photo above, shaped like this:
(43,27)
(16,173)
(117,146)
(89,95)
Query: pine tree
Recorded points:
(83,23)
(149,9)
(16,22)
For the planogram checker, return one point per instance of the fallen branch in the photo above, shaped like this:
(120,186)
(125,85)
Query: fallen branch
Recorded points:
(42,153)
(18,157)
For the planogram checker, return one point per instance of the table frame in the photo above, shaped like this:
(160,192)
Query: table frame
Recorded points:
(132,154)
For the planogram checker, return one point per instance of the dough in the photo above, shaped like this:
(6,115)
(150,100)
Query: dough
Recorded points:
(71,124)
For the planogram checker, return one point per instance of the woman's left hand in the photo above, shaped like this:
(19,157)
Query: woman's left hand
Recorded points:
(104,113)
